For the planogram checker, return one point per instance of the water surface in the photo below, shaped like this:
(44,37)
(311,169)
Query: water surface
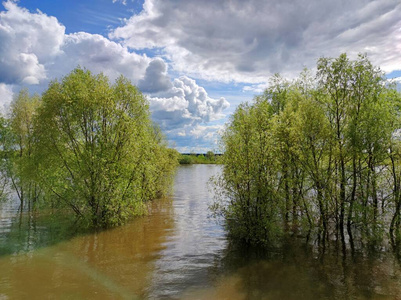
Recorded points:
(176,252)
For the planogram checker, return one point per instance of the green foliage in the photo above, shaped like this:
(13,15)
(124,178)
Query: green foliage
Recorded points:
(208,158)
(97,150)
(4,164)
(314,153)
(19,146)
(185,159)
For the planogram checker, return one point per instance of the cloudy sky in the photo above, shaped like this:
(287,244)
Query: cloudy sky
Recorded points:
(195,60)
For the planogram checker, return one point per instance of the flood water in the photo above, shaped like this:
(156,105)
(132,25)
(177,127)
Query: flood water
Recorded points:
(177,251)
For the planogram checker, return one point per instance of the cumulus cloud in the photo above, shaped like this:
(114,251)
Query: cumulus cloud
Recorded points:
(98,54)
(27,42)
(198,138)
(248,41)
(186,104)
(156,79)
(35,49)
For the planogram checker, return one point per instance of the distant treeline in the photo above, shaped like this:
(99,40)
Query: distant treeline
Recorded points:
(88,145)
(319,153)
(199,158)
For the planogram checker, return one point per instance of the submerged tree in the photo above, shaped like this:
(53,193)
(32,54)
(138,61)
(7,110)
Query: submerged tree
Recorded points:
(321,152)
(4,156)
(97,150)
(19,146)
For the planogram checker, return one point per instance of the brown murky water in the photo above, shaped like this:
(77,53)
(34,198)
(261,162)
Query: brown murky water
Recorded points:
(177,251)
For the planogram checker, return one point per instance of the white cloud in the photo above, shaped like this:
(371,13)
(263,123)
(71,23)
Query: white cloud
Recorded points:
(206,132)
(124,2)
(186,103)
(98,54)
(185,112)
(35,49)
(248,41)
(256,88)
(198,138)
(228,40)
(156,79)
(28,41)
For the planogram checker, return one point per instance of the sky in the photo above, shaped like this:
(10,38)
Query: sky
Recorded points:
(194,60)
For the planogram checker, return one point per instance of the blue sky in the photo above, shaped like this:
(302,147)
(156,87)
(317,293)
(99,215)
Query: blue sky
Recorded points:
(194,60)
(96,16)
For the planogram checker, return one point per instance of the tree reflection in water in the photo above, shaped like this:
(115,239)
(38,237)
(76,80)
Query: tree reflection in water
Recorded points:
(178,251)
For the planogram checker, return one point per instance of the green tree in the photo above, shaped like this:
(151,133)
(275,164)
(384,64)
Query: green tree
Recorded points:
(4,155)
(355,110)
(249,176)
(97,150)
(320,151)
(394,154)
(20,145)
(210,156)
(314,141)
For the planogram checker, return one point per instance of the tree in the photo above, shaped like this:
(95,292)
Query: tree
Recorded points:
(20,145)
(97,150)
(249,175)
(314,141)
(355,109)
(4,153)
(323,150)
